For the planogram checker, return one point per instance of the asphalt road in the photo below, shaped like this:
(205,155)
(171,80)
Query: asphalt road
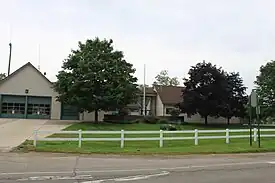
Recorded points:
(53,168)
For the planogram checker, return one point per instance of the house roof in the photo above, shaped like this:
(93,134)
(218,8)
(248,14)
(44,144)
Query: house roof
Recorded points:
(148,90)
(170,95)
(20,69)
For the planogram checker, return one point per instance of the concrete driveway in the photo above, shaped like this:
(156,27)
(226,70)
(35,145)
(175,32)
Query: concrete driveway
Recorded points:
(15,131)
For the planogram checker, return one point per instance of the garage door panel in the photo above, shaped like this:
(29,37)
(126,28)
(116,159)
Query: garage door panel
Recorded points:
(32,107)
(36,116)
(13,106)
(19,116)
(69,112)
(39,108)
(13,98)
(39,100)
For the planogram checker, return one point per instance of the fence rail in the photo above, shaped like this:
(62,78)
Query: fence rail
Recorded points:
(161,137)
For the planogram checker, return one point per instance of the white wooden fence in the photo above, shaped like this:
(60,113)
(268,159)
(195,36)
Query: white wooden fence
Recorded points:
(161,137)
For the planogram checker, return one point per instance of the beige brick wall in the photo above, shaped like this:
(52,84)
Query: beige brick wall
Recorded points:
(211,120)
(91,116)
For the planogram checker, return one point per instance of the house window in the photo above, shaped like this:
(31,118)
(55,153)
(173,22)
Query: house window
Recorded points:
(134,110)
(168,110)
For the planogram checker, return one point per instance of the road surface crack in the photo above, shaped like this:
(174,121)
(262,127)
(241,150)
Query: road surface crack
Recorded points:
(75,166)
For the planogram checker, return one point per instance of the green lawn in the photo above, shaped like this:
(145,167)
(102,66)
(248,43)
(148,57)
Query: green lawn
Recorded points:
(149,147)
(144,126)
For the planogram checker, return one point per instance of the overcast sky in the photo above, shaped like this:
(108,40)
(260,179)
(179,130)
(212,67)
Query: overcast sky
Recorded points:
(238,35)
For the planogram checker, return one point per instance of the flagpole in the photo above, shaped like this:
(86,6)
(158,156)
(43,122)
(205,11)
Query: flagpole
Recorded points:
(144,91)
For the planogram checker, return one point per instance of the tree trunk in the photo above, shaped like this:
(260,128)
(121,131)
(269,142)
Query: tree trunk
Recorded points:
(205,120)
(228,121)
(96,115)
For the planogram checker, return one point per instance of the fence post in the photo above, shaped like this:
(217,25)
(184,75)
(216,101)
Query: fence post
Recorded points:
(160,138)
(255,134)
(122,139)
(196,137)
(227,136)
(79,138)
(35,138)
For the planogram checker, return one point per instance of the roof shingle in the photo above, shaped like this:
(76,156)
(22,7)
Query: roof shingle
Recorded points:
(170,95)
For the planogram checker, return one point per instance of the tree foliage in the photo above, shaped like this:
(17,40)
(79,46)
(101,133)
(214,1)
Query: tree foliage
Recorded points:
(266,89)
(2,76)
(235,98)
(175,113)
(163,79)
(203,90)
(96,77)
(209,91)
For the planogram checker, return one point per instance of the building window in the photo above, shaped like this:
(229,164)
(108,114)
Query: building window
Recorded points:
(13,108)
(39,109)
(134,110)
(168,110)
(147,112)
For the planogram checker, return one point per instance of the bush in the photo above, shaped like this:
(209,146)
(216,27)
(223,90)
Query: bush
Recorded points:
(136,121)
(175,114)
(110,118)
(151,120)
(163,121)
(123,112)
(122,122)
(168,127)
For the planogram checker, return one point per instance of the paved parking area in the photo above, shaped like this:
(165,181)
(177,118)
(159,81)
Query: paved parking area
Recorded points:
(15,131)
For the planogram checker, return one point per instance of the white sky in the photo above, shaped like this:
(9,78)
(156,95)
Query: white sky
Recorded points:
(238,35)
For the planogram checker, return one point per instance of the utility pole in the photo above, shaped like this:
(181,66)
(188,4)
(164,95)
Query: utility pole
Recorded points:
(9,68)
(10,45)
(39,57)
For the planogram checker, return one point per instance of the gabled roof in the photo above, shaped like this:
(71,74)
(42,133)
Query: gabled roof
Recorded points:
(20,69)
(169,95)
(148,90)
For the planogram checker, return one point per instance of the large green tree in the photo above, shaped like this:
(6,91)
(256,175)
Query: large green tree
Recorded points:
(2,76)
(209,91)
(204,90)
(164,79)
(96,77)
(266,89)
(235,98)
